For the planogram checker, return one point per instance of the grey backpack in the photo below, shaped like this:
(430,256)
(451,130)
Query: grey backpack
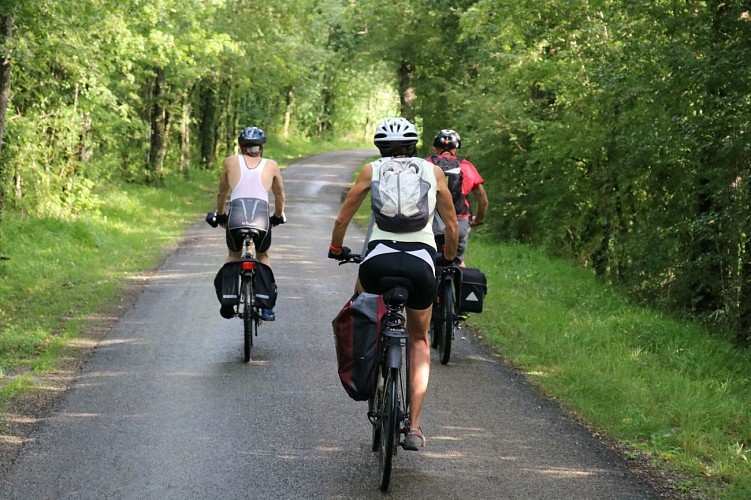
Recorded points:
(399,194)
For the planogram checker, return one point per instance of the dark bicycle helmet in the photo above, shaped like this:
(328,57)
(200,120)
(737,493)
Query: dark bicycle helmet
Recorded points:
(447,139)
(251,136)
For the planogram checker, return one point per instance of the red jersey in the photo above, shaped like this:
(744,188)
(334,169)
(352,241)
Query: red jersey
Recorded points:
(471,178)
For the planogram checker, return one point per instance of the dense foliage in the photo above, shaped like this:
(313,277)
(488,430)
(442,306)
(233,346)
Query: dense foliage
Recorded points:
(136,90)
(614,133)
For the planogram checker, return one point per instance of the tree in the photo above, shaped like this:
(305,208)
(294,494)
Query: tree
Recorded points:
(6,31)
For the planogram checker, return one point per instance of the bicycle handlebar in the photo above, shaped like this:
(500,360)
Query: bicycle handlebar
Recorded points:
(353,257)
(213,220)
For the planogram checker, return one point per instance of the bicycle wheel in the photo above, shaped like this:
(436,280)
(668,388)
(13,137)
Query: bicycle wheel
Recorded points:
(434,327)
(375,404)
(447,333)
(389,426)
(436,322)
(248,317)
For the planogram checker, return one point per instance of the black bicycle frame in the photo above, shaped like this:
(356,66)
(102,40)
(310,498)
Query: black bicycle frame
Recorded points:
(448,273)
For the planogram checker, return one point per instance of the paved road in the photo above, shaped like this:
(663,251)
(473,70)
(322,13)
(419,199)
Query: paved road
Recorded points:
(166,409)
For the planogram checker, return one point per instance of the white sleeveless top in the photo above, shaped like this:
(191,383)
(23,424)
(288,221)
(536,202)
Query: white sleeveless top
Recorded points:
(250,184)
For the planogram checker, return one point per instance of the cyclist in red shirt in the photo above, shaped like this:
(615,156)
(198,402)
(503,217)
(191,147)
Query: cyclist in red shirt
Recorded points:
(463,179)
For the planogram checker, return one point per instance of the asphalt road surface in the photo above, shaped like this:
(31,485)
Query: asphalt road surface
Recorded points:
(165,408)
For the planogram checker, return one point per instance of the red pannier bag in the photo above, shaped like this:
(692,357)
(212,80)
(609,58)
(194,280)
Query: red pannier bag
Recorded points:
(357,335)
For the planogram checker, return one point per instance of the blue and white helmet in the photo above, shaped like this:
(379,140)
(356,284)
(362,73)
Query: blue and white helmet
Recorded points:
(251,136)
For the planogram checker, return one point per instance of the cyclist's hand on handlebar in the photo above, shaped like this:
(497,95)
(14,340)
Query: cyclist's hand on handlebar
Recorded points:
(276,220)
(344,254)
(442,261)
(213,219)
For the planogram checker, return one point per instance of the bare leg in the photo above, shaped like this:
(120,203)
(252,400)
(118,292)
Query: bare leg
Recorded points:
(233,255)
(418,322)
(263,258)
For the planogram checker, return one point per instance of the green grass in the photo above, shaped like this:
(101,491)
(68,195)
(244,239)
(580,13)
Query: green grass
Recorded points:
(59,272)
(668,389)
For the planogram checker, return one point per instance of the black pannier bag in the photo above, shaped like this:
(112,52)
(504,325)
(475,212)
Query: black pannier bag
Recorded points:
(227,285)
(265,287)
(357,333)
(473,287)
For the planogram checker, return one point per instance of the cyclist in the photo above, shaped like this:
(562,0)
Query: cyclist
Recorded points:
(247,178)
(407,254)
(467,180)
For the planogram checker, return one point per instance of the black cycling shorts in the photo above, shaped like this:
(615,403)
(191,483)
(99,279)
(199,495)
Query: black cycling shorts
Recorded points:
(248,213)
(403,265)
(235,240)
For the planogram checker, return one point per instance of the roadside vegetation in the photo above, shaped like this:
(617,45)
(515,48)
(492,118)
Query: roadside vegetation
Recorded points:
(668,390)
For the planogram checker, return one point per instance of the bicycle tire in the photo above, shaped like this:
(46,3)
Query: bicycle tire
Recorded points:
(375,404)
(436,320)
(433,327)
(247,318)
(447,332)
(389,426)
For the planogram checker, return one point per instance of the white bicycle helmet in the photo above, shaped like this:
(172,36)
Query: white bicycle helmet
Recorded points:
(395,130)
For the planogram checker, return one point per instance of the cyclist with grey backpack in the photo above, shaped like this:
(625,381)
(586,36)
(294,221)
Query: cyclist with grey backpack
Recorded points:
(405,192)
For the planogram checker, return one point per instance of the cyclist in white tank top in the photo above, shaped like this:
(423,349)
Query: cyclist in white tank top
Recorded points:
(251,183)
(245,182)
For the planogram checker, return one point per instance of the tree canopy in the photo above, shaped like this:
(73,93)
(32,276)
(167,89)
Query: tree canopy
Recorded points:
(617,134)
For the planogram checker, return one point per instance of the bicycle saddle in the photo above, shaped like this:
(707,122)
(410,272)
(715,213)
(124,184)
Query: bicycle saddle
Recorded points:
(243,231)
(395,289)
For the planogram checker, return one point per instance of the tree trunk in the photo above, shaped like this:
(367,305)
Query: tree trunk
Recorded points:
(230,117)
(406,91)
(158,121)
(6,30)
(184,162)
(162,151)
(327,105)
(207,126)
(288,112)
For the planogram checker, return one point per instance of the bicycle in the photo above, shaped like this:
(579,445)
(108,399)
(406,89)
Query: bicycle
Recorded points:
(250,313)
(388,408)
(444,319)
(247,308)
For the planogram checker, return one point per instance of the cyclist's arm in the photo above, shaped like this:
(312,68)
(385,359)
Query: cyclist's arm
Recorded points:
(351,203)
(221,195)
(445,207)
(277,187)
(482,204)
